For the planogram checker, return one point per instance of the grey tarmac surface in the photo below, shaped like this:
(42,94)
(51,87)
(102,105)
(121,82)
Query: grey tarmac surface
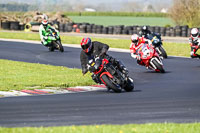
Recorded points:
(170,97)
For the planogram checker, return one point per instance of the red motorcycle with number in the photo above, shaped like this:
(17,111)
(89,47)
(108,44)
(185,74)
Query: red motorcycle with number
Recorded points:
(110,75)
(150,58)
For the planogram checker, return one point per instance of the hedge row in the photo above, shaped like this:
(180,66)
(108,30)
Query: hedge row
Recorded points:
(133,14)
(182,31)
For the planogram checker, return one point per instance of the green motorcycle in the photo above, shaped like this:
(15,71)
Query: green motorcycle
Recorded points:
(54,41)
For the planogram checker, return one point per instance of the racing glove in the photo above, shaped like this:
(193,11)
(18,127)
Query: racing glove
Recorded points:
(133,55)
(138,57)
(198,41)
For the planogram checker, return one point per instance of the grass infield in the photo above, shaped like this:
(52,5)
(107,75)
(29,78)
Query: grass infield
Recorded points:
(125,20)
(130,128)
(21,75)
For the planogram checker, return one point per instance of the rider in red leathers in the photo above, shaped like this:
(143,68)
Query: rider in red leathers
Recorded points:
(136,43)
(194,41)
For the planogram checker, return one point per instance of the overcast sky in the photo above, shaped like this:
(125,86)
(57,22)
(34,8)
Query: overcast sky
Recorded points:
(113,5)
(89,1)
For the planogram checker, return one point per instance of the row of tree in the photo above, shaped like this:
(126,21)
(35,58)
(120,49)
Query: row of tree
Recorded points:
(186,12)
(14,7)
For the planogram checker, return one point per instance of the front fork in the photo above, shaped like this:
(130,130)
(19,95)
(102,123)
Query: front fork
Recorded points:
(158,50)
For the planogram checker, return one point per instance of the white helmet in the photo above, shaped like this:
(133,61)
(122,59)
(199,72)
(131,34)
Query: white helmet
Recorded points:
(135,39)
(195,32)
(45,23)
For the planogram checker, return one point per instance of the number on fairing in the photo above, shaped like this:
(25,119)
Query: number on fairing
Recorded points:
(145,51)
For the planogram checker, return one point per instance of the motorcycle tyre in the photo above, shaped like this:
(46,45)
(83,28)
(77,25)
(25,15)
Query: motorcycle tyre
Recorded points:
(110,85)
(129,87)
(159,67)
(164,54)
(61,49)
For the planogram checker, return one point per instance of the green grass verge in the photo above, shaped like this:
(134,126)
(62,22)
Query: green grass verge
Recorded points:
(130,128)
(125,20)
(20,75)
(175,49)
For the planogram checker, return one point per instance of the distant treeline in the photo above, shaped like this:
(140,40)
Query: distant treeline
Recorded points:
(14,7)
(133,14)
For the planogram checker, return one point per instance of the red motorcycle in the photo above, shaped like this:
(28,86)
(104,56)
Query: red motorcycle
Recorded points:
(150,57)
(110,75)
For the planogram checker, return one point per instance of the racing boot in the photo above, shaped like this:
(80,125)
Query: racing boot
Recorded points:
(121,67)
(195,56)
(119,64)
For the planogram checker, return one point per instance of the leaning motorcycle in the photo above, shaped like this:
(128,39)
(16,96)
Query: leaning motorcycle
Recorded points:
(157,43)
(54,41)
(150,57)
(109,75)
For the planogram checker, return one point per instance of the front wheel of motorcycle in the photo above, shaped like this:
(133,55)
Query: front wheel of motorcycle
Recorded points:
(164,54)
(60,46)
(158,66)
(129,86)
(110,84)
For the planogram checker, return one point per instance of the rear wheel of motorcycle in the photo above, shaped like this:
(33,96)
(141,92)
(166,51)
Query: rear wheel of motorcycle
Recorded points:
(130,86)
(158,66)
(110,84)
(60,46)
(164,54)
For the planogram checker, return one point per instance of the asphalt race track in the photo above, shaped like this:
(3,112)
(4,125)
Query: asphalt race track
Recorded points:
(170,97)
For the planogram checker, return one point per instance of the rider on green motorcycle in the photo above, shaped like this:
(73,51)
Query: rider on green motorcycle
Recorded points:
(44,31)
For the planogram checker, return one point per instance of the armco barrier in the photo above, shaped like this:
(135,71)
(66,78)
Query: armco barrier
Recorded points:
(177,31)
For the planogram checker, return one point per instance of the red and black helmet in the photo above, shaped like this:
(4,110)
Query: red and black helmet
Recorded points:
(86,44)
